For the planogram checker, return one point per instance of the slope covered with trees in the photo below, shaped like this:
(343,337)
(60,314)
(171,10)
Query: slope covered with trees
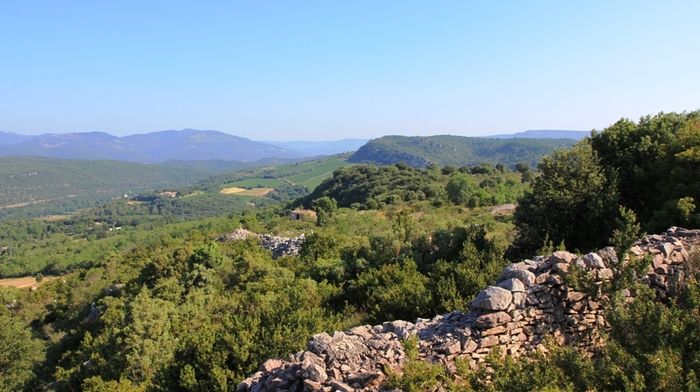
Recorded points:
(31,186)
(420,151)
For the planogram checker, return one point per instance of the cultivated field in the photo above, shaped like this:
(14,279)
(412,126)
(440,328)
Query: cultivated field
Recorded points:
(234,190)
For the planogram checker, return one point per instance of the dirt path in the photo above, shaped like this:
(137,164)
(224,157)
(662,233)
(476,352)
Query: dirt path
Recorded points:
(24,282)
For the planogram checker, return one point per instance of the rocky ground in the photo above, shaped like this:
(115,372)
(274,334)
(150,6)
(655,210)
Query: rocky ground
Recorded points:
(530,302)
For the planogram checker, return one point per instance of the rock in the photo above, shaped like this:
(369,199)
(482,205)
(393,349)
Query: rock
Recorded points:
(402,329)
(489,320)
(311,385)
(593,260)
(493,298)
(314,372)
(488,341)
(574,296)
(522,274)
(340,386)
(271,364)
(513,284)
(562,256)
(605,274)
(469,346)
(561,268)
(362,379)
(665,248)
(494,331)
(609,255)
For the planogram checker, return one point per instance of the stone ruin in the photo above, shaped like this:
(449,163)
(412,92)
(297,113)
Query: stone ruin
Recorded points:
(530,302)
(278,246)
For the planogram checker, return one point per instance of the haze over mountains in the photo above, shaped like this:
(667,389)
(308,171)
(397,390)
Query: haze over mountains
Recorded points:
(193,145)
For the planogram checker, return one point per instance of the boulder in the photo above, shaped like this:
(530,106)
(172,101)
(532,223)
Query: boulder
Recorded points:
(593,260)
(490,320)
(562,256)
(513,284)
(524,275)
(493,298)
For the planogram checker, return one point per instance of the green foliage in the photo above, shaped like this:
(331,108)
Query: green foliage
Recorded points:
(627,232)
(656,162)
(325,207)
(419,375)
(393,291)
(418,151)
(373,187)
(19,352)
(572,201)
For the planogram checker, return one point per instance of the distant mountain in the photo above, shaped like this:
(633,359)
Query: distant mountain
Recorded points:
(545,134)
(419,151)
(315,148)
(8,138)
(186,145)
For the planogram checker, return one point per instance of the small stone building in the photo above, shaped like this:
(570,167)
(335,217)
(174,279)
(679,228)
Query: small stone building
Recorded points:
(302,214)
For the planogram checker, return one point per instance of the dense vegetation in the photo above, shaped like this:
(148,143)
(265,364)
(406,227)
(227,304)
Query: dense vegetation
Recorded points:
(650,168)
(32,186)
(160,304)
(372,187)
(420,151)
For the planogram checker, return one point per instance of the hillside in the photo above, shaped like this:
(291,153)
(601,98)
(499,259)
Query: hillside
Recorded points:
(39,186)
(314,148)
(545,134)
(187,144)
(419,151)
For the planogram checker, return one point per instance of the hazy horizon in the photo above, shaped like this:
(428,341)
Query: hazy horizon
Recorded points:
(328,71)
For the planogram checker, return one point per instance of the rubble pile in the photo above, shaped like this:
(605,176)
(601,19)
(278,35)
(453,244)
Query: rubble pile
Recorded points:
(278,246)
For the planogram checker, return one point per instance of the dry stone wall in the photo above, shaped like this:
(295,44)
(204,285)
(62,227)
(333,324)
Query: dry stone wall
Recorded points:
(528,304)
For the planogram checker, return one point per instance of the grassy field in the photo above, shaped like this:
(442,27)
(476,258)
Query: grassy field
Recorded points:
(310,174)
(258,192)
(257,183)
(261,181)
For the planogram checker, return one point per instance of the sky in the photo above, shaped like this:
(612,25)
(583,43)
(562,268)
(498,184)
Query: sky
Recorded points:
(284,70)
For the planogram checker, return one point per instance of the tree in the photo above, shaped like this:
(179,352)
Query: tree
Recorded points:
(571,201)
(19,352)
(325,207)
(460,189)
(656,162)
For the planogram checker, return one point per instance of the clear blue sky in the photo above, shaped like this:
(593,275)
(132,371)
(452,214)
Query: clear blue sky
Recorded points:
(331,69)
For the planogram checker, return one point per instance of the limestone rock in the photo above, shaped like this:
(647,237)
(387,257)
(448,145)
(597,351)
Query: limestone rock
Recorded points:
(493,298)
(593,260)
(524,275)
(513,284)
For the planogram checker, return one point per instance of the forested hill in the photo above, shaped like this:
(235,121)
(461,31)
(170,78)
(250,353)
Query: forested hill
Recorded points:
(419,151)
(38,186)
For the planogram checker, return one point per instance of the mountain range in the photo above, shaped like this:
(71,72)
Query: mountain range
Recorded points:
(188,145)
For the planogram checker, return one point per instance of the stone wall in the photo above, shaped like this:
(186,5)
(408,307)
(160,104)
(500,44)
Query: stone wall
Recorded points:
(529,303)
